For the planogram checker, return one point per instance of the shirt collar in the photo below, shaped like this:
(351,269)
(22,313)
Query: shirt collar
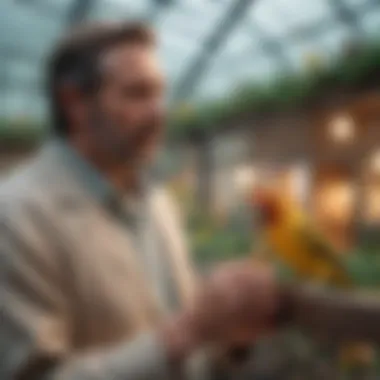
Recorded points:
(95,183)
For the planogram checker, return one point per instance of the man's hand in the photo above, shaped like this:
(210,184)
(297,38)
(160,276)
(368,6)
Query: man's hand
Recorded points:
(237,303)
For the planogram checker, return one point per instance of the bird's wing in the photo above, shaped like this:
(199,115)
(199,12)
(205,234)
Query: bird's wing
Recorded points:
(318,245)
(327,255)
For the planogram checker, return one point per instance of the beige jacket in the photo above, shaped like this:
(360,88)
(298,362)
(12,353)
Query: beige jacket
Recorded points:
(74,302)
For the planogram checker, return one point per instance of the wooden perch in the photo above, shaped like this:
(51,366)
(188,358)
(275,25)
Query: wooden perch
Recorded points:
(337,315)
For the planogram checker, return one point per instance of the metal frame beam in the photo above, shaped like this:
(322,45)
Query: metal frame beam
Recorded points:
(212,44)
(323,27)
(270,46)
(302,33)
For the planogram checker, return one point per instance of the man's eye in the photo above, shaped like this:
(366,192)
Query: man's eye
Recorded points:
(136,92)
(141,91)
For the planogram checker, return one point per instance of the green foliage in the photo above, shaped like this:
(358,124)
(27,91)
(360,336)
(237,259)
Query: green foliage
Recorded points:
(364,267)
(293,353)
(284,91)
(213,241)
(21,133)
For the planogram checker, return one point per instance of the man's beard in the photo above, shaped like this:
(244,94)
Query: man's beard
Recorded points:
(117,149)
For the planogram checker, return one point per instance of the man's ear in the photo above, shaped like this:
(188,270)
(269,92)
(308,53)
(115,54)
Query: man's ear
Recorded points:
(73,103)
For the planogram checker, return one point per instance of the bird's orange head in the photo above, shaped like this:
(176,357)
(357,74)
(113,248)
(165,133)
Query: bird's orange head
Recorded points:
(268,205)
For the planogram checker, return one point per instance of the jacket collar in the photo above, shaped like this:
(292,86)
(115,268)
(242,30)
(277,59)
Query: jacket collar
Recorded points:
(93,182)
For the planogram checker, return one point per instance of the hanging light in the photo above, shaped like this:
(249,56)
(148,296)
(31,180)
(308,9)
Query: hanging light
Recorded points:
(342,128)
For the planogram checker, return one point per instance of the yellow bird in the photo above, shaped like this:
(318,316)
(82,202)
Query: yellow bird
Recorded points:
(288,233)
(291,236)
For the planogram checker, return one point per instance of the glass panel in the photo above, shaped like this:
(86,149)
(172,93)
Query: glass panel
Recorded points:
(221,80)
(278,16)
(119,9)
(194,24)
(23,71)
(137,6)
(27,34)
(371,23)
(241,41)
(255,70)
(25,29)
(60,5)
(21,104)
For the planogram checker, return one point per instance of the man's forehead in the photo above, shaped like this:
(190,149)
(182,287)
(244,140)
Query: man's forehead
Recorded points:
(131,56)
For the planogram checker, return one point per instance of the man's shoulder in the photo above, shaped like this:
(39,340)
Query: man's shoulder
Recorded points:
(37,176)
(24,187)
(27,234)
(18,184)
(26,207)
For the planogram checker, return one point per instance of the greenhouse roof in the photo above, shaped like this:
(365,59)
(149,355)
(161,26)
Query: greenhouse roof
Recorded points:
(207,47)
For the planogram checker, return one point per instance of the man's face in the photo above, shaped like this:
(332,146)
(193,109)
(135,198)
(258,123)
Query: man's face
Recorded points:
(127,114)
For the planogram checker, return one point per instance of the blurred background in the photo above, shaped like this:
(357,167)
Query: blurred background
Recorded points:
(281,91)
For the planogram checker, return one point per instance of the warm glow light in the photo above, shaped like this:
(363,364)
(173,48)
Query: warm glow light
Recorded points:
(342,128)
(375,162)
(336,201)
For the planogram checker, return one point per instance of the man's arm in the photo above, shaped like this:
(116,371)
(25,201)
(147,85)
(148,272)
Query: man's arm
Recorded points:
(37,322)
(36,326)
(339,315)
